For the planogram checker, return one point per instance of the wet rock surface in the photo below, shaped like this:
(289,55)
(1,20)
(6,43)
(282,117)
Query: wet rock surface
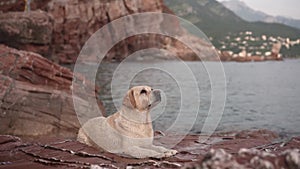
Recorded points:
(61,153)
(36,97)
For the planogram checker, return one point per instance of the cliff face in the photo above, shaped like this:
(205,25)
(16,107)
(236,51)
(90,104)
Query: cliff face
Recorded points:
(36,97)
(76,20)
(30,31)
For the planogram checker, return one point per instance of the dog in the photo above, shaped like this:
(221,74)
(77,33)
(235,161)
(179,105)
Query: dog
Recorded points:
(129,131)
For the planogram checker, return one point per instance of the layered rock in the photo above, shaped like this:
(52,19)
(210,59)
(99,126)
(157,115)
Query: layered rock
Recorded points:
(248,154)
(31,31)
(76,20)
(19,5)
(36,96)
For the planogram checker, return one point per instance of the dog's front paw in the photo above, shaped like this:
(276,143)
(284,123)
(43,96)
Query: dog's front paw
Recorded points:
(170,153)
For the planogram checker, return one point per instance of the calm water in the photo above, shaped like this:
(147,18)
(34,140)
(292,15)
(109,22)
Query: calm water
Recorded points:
(262,95)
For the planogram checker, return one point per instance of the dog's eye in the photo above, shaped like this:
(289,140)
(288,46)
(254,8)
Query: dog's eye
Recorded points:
(143,91)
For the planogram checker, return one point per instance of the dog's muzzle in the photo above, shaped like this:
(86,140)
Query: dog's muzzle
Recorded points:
(155,98)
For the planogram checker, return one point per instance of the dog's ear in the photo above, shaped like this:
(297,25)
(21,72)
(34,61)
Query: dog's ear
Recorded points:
(132,99)
(129,100)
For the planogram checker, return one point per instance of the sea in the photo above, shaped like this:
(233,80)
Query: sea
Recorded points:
(195,99)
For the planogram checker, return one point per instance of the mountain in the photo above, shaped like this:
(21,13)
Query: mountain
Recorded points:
(244,11)
(223,26)
(215,20)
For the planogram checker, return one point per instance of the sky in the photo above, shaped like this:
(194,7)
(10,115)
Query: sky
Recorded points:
(289,8)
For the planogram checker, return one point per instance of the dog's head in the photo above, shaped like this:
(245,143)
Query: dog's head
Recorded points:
(142,98)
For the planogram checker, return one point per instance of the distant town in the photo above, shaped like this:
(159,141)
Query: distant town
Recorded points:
(245,46)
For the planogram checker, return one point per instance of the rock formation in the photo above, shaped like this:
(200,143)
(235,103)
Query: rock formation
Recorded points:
(35,96)
(258,153)
(76,20)
(31,31)
(19,5)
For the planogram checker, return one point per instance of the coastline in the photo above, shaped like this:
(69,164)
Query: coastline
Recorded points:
(38,120)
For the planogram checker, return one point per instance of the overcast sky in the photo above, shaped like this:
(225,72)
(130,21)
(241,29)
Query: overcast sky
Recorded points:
(289,8)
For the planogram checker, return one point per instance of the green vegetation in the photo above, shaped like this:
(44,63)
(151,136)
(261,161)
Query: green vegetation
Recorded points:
(217,22)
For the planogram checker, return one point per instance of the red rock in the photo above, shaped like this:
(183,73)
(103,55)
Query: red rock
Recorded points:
(76,21)
(225,56)
(53,152)
(242,59)
(36,97)
(19,5)
(257,134)
(83,18)
(30,31)
(257,58)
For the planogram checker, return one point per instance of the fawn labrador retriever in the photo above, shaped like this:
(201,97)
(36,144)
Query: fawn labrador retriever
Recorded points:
(129,131)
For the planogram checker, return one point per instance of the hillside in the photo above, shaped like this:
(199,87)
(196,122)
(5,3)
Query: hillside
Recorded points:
(219,23)
(244,11)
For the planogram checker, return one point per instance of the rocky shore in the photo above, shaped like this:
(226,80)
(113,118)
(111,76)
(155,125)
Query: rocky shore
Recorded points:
(236,150)
(36,105)
(35,95)
(38,123)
